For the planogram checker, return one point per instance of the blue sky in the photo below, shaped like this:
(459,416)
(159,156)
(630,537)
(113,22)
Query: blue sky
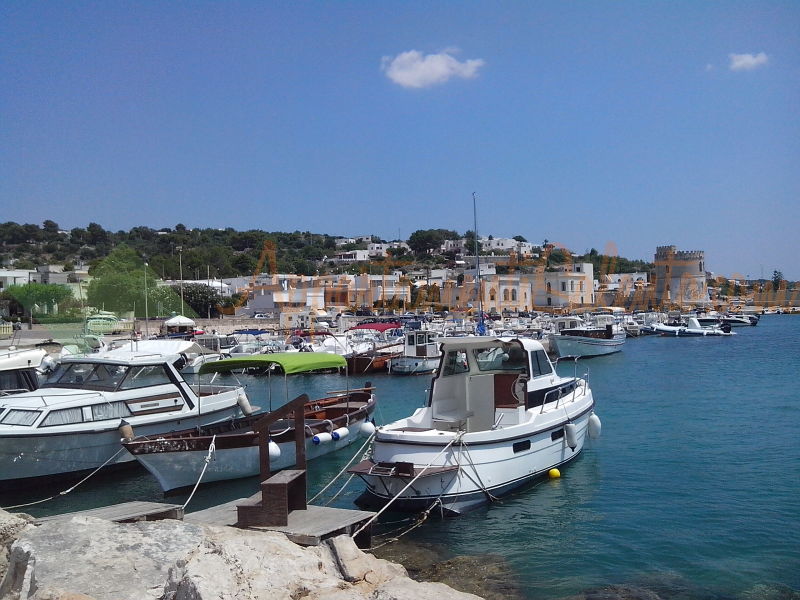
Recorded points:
(615,125)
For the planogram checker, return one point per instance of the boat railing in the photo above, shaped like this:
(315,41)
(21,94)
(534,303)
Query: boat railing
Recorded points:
(566,390)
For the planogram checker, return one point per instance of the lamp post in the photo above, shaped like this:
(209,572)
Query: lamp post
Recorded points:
(146,316)
(180,266)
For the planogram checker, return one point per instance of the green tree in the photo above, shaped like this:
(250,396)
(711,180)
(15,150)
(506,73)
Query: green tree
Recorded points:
(118,283)
(202,299)
(424,241)
(777,279)
(42,295)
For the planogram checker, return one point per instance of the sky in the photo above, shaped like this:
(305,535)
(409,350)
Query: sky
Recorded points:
(613,125)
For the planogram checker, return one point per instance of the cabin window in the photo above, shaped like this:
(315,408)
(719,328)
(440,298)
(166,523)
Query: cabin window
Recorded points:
(88,375)
(455,362)
(421,339)
(65,416)
(500,358)
(20,417)
(110,410)
(145,376)
(541,366)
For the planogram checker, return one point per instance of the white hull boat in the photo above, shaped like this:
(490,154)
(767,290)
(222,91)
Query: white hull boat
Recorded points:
(72,423)
(420,354)
(569,345)
(498,417)
(691,329)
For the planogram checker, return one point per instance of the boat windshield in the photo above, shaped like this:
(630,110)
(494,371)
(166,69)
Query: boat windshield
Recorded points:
(90,376)
(507,358)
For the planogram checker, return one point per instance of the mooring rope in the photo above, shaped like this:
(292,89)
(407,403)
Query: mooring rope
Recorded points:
(212,448)
(408,485)
(330,483)
(68,490)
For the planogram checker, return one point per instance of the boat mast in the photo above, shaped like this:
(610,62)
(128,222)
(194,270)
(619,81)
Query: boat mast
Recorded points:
(481,328)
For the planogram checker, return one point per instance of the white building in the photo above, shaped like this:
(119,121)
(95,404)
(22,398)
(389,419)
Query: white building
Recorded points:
(351,256)
(382,249)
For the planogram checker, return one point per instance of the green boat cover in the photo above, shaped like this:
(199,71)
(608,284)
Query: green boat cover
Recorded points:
(290,362)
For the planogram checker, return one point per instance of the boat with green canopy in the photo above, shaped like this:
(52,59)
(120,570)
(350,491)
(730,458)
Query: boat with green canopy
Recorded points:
(177,459)
(290,363)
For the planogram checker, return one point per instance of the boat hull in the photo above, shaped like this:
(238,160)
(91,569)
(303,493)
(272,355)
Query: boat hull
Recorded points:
(413,365)
(570,345)
(176,470)
(489,470)
(27,459)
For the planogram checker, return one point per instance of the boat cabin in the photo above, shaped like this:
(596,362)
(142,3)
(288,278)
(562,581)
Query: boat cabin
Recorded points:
(421,344)
(479,376)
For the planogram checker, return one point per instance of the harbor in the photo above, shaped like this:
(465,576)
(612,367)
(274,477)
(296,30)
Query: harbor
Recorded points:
(680,429)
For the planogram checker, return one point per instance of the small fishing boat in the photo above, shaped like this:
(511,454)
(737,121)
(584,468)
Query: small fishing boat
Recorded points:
(177,459)
(498,417)
(420,354)
(692,329)
(572,336)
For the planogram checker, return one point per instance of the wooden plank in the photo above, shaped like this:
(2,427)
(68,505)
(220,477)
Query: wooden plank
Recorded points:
(126,511)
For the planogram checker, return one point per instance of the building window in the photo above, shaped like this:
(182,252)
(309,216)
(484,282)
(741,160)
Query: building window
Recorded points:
(548,287)
(571,286)
(581,289)
(563,286)
(513,295)
(549,301)
(505,295)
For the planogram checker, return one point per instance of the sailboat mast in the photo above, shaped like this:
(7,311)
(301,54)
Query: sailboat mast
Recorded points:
(481,329)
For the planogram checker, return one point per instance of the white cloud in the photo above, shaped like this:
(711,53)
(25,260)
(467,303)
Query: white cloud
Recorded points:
(709,67)
(747,62)
(412,69)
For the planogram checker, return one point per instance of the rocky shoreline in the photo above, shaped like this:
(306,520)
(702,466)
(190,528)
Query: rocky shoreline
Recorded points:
(92,559)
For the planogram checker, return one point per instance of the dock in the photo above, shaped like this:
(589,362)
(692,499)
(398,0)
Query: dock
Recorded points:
(306,527)
(126,512)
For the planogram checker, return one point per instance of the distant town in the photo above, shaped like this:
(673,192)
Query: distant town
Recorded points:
(212,272)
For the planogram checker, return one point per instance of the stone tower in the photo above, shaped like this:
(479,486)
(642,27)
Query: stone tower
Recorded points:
(680,276)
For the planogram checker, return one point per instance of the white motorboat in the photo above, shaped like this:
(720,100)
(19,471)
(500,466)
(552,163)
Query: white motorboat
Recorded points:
(572,336)
(72,423)
(739,320)
(498,417)
(420,354)
(691,329)
(177,459)
(21,369)
(190,355)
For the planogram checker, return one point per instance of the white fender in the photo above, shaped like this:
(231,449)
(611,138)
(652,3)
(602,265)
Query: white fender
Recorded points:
(125,430)
(274,450)
(595,426)
(340,433)
(571,433)
(322,438)
(244,404)
(367,428)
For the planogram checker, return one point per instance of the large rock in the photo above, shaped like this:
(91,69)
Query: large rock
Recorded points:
(11,526)
(171,560)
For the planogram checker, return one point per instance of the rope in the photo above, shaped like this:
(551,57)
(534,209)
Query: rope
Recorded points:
(408,485)
(212,448)
(322,491)
(480,483)
(68,490)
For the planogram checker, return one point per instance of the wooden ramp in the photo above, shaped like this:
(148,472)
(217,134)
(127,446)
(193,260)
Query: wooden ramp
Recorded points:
(123,513)
(306,527)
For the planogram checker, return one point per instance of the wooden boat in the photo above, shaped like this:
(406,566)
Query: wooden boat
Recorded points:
(177,459)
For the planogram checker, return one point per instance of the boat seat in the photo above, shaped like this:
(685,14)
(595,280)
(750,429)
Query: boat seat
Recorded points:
(451,420)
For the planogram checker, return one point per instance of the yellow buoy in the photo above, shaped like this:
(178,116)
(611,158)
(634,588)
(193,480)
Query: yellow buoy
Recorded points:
(554,473)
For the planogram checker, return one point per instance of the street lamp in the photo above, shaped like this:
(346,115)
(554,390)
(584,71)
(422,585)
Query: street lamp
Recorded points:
(180,266)
(146,316)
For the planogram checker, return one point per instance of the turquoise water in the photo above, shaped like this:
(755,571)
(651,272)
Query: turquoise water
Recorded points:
(693,490)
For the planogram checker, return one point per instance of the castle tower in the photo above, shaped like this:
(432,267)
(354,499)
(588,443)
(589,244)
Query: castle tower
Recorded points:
(680,276)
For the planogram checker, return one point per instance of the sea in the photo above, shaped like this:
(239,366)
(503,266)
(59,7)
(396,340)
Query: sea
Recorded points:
(692,491)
